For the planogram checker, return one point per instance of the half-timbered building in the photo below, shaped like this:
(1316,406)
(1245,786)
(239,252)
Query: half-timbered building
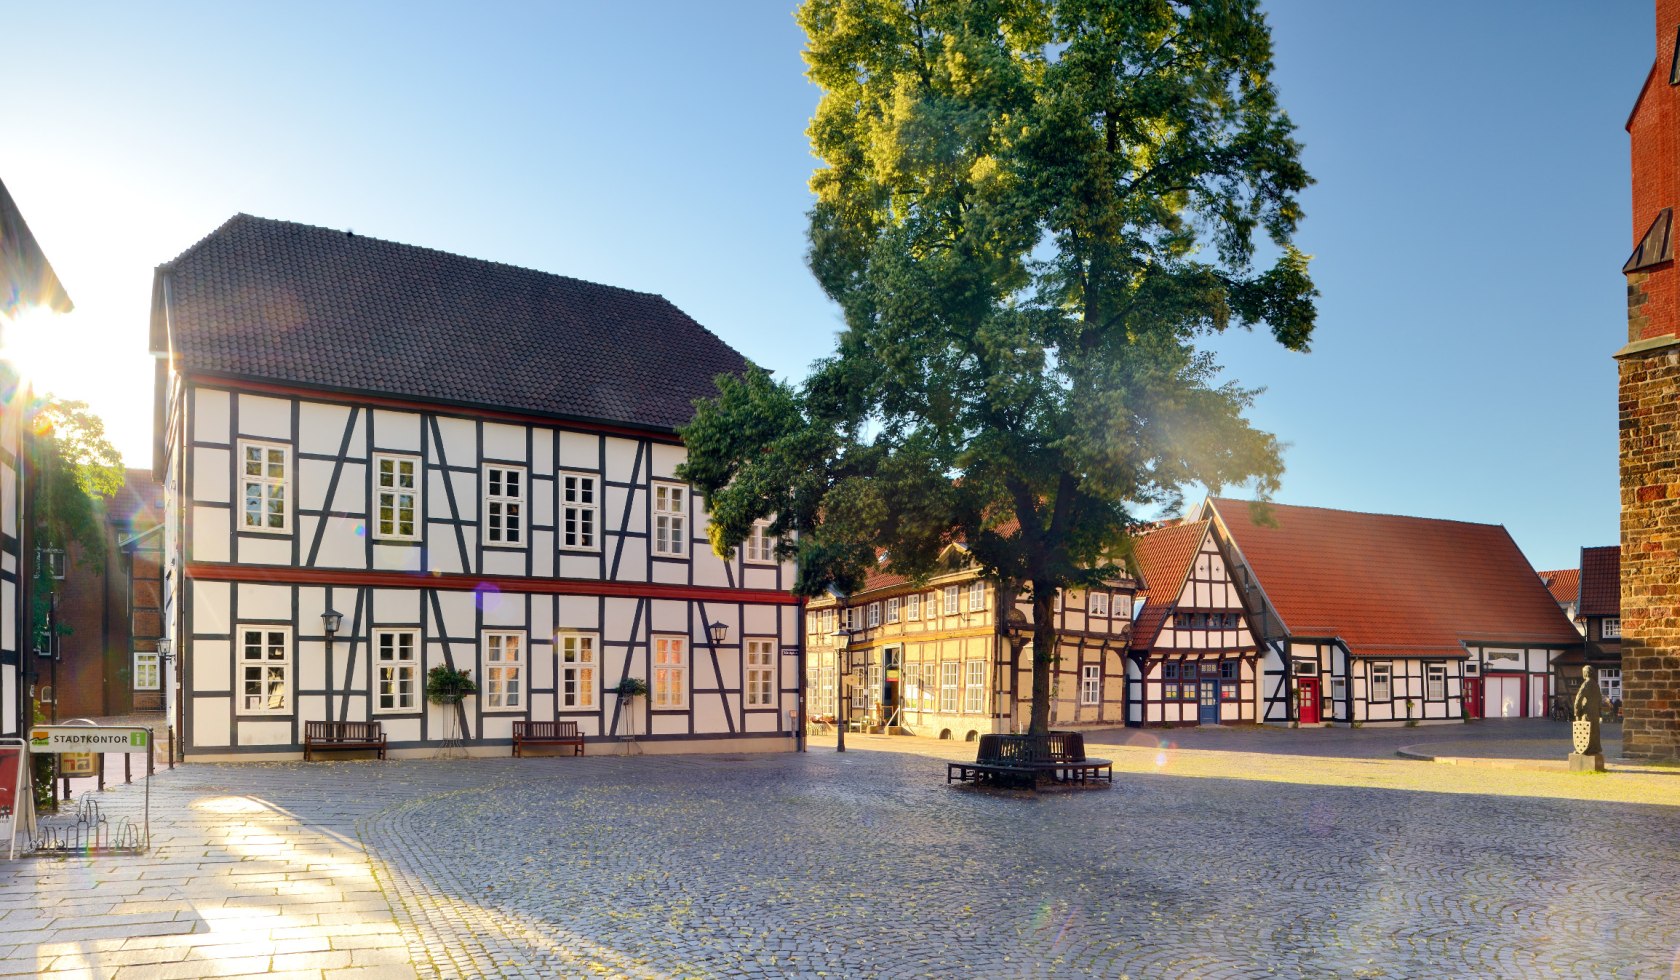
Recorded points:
(1601,621)
(942,658)
(475,467)
(1379,618)
(1194,657)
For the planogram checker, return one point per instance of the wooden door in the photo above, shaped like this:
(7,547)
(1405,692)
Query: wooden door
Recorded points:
(1208,703)
(1309,700)
(1473,696)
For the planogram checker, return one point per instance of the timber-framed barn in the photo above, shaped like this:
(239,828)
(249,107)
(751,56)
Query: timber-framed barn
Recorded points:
(475,466)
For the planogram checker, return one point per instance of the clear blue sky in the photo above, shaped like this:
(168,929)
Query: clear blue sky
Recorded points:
(1469,221)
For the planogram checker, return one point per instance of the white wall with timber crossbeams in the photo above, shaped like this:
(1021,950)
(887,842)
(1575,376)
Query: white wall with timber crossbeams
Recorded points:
(13,624)
(464,576)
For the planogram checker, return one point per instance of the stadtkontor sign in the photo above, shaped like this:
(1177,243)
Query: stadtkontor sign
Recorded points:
(82,738)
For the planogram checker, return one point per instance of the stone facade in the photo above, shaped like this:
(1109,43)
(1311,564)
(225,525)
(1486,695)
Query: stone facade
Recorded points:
(1650,462)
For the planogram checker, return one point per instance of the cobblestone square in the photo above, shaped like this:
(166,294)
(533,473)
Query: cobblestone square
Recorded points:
(1215,854)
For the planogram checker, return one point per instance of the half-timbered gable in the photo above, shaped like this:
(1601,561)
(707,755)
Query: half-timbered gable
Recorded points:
(941,658)
(475,465)
(1194,657)
(1379,618)
(1600,605)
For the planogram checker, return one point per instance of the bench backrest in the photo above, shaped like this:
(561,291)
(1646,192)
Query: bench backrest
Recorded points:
(545,729)
(346,731)
(1031,749)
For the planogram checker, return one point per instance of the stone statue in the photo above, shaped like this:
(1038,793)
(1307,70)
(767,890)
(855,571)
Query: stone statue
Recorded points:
(1589,709)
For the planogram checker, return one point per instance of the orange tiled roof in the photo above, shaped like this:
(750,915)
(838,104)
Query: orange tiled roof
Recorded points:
(1163,560)
(1395,586)
(1601,581)
(1563,583)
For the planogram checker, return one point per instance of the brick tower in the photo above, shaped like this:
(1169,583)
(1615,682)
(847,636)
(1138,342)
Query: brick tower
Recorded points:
(1649,411)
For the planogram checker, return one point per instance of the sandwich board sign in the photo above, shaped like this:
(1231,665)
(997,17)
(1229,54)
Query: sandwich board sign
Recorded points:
(17,801)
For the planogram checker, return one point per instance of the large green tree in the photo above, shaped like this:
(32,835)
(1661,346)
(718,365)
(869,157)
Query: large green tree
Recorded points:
(1033,214)
(75,468)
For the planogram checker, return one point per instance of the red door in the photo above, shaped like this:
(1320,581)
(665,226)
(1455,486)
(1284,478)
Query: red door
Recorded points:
(1473,696)
(1309,700)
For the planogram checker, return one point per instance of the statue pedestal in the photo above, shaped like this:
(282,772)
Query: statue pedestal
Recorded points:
(1586,763)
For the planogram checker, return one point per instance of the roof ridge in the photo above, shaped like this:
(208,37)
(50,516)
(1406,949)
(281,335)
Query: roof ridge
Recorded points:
(1361,513)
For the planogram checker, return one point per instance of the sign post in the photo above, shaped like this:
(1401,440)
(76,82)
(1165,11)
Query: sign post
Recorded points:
(93,741)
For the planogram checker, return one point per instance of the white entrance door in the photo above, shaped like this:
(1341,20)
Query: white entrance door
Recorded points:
(1537,696)
(1504,697)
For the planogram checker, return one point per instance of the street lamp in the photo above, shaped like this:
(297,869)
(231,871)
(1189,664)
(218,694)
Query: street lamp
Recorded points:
(719,632)
(844,635)
(332,620)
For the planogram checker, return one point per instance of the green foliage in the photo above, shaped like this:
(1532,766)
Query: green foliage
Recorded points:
(1033,216)
(75,467)
(445,685)
(632,687)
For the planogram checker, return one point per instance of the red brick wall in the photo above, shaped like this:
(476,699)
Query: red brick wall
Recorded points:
(1654,139)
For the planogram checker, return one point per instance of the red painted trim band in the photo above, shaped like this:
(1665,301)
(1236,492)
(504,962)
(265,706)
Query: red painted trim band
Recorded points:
(436,408)
(287,575)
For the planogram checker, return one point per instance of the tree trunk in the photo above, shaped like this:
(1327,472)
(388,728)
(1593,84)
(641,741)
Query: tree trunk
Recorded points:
(1044,654)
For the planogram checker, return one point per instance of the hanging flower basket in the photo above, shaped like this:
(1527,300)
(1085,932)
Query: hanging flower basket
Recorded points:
(446,686)
(632,687)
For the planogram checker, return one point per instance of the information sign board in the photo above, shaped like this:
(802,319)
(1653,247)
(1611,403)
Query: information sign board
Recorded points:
(88,738)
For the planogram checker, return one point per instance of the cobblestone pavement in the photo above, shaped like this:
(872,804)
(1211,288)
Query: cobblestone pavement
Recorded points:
(1236,862)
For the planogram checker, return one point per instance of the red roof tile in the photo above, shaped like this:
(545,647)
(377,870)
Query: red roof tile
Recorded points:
(1395,586)
(1601,581)
(1564,583)
(1163,557)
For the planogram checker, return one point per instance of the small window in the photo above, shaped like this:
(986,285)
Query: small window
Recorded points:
(948,686)
(1228,670)
(761,672)
(1184,621)
(577,670)
(670,520)
(950,600)
(504,671)
(760,547)
(1338,689)
(265,475)
(579,512)
(974,688)
(397,670)
(396,497)
(874,614)
(1382,682)
(504,505)
(265,670)
(146,672)
(1169,670)
(976,596)
(892,610)
(1098,604)
(670,672)
(1435,682)
(1090,684)
(1612,629)
(913,603)
(828,622)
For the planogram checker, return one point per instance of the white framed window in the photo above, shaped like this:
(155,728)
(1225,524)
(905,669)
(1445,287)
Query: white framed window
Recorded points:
(580,511)
(1090,684)
(974,687)
(1612,629)
(504,670)
(976,596)
(1610,682)
(1097,604)
(761,672)
(396,662)
(828,623)
(670,672)
(913,606)
(893,605)
(504,505)
(948,686)
(874,614)
(265,474)
(396,497)
(1435,682)
(950,600)
(1382,682)
(854,619)
(760,547)
(147,672)
(1338,689)
(265,670)
(670,519)
(577,669)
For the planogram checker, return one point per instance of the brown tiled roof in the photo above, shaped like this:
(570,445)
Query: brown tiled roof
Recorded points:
(1163,558)
(278,301)
(1395,586)
(1563,583)
(1601,581)
(26,277)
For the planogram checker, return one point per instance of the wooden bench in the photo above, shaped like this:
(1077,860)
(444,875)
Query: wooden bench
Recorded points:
(1010,759)
(546,733)
(319,735)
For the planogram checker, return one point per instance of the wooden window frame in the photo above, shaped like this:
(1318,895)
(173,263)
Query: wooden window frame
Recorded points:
(575,509)
(951,593)
(974,687)
(1428,679)
(874,614)
(913,607)
(155,669)
(264,482)
(1606,631)
(760,546)
(398,666)
(1385,668)
(759,679)
(1090,684)
(950,682)
(505,512)
(1096,604)
(670,672)
(670,520)
(395,492)
(496,680)
(579,656)
(265,663)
